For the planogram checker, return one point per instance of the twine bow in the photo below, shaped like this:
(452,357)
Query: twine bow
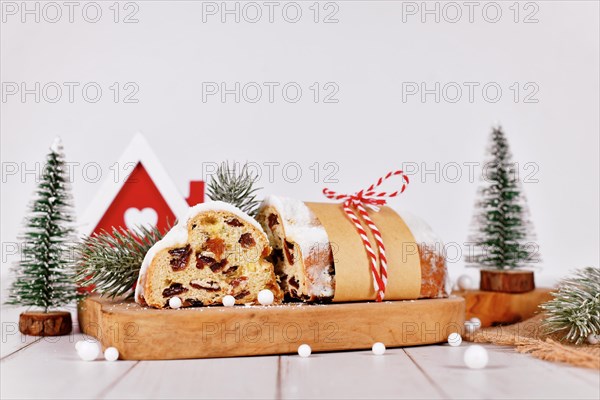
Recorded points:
(373,200)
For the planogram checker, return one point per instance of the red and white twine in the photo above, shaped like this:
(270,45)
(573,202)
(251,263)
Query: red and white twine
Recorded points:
(369,198)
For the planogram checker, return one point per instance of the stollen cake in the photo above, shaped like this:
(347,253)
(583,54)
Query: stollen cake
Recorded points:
(303,256)
(216,250)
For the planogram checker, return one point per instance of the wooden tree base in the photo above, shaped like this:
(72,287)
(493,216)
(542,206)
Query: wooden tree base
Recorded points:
(54,323)
(496,308)
(506,281)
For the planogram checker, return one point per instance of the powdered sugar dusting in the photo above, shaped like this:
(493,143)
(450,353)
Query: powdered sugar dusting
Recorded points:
(321,282)
(294,211)
(299,223)
(421,231)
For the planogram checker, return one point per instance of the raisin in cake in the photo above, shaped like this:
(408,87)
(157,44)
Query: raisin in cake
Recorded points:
(302,254)
(303,259)
(217,250)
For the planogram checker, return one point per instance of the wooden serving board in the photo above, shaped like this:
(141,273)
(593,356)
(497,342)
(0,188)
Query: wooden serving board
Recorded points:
(497,308)
(141,333)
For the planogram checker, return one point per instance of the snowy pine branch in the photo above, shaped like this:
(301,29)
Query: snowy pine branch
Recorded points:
(575,309)
(235,186)
(110,262)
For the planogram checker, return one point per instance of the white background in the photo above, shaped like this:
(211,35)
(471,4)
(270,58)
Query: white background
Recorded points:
(368,53)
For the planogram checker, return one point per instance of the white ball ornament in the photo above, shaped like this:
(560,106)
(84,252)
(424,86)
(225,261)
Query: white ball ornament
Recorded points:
(593,339)
(78,345)
(88,351)
(265,297)
(464,282)
(454,339)
(175,302)
(378,349)
(111,354)
(304,350)
(229,301)
(476,357)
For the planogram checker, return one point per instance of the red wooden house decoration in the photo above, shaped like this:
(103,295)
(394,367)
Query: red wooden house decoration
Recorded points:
(145,197)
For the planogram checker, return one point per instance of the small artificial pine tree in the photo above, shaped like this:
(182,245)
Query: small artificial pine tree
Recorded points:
(502,231)
(44,277)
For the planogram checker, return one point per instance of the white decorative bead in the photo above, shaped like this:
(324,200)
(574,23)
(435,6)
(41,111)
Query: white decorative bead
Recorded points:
(378,348)
(78,344)
(111,354)
(454,339)
(476,357)
(175,302)
(476,322)
(304,350)
(229,301)
(593,339)
(265,297)
(464,282)
(88,351)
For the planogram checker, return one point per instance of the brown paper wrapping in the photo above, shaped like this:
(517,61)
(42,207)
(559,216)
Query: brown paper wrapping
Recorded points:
(353,279)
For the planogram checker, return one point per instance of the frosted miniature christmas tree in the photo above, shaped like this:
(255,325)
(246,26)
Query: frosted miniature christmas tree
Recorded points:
(43,276)
(502,232)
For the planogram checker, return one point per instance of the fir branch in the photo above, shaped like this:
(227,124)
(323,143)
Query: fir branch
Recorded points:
(111,261)
(235,186)
(575,308)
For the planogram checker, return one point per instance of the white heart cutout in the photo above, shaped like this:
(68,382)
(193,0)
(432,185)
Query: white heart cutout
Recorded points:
(135,218)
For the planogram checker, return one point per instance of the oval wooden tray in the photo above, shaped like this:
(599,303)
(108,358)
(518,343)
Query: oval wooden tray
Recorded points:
(142,333)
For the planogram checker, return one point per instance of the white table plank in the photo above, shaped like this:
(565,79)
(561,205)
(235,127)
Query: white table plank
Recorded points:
(217,378)
(587,376)
(508,375)
(51,368)
(354,375)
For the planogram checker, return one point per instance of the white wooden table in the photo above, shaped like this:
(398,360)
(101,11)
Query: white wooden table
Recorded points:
(50,368)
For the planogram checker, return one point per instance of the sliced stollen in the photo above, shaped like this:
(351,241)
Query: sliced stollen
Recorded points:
(216,250)
(303,256)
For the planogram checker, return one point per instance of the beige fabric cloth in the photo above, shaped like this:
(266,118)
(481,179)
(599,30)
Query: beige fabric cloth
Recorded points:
(528,337)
